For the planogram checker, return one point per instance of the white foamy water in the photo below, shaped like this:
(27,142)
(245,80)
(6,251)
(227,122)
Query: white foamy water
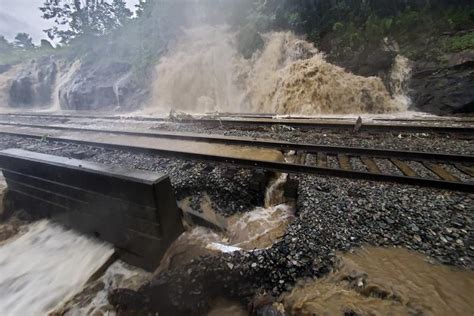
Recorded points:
(66,73)
(93,299)
(399,76)
(44,266)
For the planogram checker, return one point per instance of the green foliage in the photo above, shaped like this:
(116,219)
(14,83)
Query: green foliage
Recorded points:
(294,20)
(104,30)
(23,49)
(74,18)
(458,43)
(16,56)
(24,41)
(338,27)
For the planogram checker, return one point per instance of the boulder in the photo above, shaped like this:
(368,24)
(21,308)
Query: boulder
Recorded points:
(110,86)
(446,89)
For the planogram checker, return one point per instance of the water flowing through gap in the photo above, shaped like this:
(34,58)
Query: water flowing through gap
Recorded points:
(46,266)
(254,229)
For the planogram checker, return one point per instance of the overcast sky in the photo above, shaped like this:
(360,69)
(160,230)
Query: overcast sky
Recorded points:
(24,16)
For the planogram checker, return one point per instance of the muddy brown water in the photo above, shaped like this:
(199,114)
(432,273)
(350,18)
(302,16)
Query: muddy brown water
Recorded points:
(385,281)
(157,143)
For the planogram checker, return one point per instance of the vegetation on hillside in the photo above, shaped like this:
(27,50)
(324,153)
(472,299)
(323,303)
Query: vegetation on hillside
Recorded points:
(106,30)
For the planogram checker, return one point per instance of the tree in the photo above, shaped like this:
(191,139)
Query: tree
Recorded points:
(24,41)
(75,18)
(121,12)
(5,46)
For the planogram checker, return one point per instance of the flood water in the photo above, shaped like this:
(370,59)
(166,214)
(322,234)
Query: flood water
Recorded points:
(386,281)
(44,266)
(255,229)
(186,146)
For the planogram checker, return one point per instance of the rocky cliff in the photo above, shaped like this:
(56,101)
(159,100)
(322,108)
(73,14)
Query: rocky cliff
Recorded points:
(51,82)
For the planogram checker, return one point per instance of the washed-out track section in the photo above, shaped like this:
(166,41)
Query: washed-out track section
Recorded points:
(460,126)
(447,171)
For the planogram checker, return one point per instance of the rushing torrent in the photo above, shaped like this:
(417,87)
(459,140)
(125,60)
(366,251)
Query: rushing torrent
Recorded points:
(44,266)
(256,229)
(92,300)
(203,72)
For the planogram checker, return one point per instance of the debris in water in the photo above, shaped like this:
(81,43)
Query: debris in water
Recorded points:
(222,248)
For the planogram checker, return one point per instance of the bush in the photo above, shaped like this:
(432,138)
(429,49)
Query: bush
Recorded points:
(458,43)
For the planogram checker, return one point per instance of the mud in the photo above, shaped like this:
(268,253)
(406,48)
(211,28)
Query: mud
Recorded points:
(385,281)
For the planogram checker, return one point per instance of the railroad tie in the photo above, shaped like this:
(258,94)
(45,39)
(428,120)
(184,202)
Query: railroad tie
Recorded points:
(344,162)
(466,169)
(441,172)
(300,157)
(371,165)
(322,160)
(407,170)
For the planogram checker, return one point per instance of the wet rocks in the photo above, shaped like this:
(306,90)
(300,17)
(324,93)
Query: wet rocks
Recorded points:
(445,90)
(33,86)
(102,87)
(392,215)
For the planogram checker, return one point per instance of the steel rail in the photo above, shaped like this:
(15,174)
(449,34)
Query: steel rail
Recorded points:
(273,144)
(295,123)
(341,118)
(268,165)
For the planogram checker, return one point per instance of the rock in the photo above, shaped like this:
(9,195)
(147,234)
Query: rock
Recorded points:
(109,86)
(445,90)
(371,61)
(414,228)
(33,86)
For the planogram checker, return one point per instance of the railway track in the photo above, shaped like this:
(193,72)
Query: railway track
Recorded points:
(448,171)
(464,126)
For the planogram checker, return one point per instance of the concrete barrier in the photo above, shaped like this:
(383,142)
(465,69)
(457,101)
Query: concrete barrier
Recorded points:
(134,210)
